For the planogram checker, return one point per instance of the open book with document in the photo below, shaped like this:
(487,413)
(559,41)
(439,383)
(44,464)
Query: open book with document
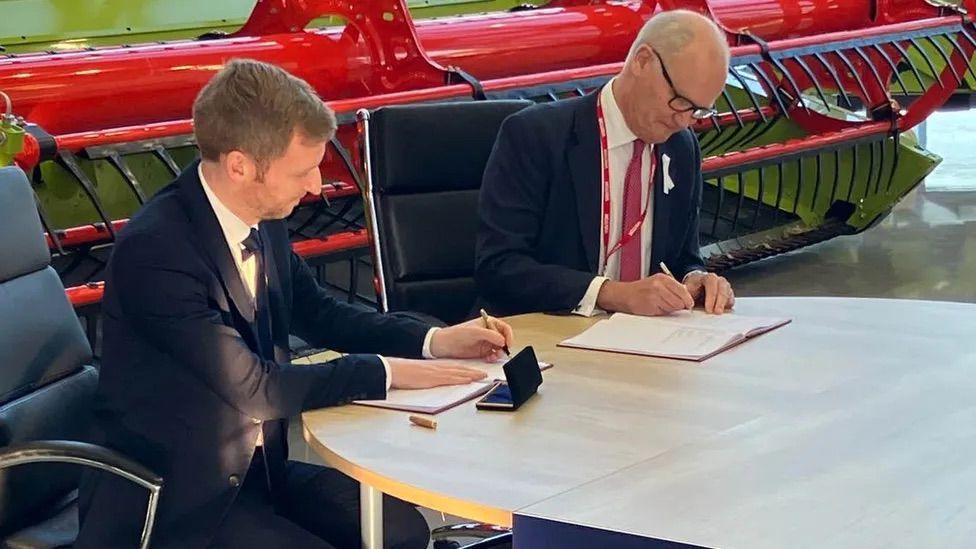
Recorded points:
(685,335)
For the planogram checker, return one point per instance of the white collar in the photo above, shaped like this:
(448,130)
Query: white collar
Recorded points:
(617,131)
(234,228)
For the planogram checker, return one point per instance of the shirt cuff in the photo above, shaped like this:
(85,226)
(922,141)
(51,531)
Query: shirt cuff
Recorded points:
(389,374)
(430,337)
(587,305)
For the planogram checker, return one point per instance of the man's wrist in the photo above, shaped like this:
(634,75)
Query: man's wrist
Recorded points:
(609,297)
(692,274)
(693,280)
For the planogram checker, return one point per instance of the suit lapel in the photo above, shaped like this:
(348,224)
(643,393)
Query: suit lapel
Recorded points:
(274,432)
(276,301)
(583,157)
(211,239)
(662,209)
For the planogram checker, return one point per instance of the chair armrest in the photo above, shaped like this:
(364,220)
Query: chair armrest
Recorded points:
(80,453)
(89,455)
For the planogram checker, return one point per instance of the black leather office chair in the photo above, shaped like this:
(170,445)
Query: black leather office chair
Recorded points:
(46,386)
(424,165)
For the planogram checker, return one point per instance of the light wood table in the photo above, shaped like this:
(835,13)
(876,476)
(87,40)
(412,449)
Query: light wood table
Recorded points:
(855,424)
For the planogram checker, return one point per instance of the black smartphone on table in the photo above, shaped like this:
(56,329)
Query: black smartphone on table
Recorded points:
(523,375)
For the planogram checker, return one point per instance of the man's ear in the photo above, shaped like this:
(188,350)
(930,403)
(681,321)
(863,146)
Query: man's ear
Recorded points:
(238,166)
(644,58)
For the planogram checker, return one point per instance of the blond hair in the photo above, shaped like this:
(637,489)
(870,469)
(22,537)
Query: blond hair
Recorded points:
(255,108)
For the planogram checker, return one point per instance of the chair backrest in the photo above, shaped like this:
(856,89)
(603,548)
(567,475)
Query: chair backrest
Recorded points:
(45,382)
(424,167)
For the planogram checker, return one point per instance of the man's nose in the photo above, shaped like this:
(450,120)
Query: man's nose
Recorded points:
(314,184)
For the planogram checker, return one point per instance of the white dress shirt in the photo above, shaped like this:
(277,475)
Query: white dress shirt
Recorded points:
(620,141)
(236,231)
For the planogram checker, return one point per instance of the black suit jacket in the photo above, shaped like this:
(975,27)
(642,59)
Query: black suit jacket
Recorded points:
(182,388)
(538,239)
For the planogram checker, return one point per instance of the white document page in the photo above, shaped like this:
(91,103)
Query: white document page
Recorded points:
(438,399)
(686,335)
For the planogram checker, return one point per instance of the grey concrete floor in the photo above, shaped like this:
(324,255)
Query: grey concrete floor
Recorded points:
(925,249)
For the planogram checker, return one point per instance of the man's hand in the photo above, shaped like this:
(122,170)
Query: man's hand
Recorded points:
(472,340)
(424,374)
(712,291)
(655,295)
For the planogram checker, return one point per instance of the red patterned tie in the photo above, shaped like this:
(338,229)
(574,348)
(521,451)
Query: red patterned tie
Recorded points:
(630,253)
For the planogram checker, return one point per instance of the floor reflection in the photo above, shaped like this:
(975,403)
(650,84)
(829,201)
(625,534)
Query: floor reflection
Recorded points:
(925,249)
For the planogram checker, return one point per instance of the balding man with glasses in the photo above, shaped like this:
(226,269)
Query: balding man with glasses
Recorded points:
(592,203)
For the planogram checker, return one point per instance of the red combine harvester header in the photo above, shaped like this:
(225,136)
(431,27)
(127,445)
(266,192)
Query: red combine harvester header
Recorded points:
(808,144)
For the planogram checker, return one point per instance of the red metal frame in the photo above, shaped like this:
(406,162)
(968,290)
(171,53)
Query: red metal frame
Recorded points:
(812,121)
(77,142)
(381,58)
(91,293)
(87,235)
(318,246)
(858,34)
(878,95)
(81,91)
(88,294)
(938,95)
(793,146)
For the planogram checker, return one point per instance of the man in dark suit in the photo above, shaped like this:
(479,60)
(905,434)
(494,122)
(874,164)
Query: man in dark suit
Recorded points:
(586,201)
(201,294)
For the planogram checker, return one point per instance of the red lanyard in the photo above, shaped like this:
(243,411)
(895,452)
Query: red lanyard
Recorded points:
(627,235)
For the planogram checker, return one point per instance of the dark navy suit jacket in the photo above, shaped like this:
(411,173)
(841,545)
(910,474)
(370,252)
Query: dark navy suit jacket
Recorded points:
(182,387)
(538,239)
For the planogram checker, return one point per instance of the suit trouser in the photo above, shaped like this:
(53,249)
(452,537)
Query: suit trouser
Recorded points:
(321,512)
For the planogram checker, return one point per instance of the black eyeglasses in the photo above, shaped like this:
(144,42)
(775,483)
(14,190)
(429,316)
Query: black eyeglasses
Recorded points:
(680,103)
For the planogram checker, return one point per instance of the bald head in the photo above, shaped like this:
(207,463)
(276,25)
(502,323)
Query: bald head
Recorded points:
(677,66)
(673,32)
